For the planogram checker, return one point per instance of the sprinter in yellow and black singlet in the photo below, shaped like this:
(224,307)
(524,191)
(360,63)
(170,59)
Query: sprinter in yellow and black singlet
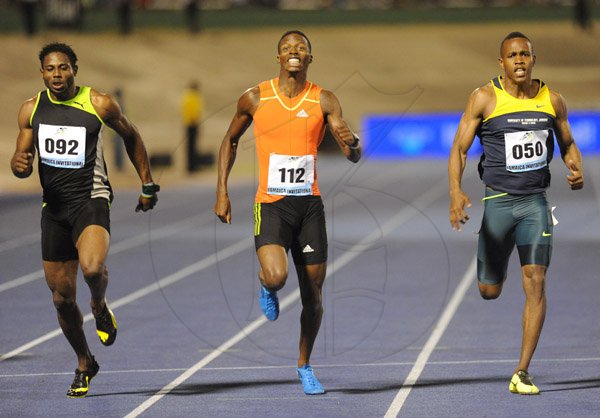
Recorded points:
(64,124)
(516,119)
(518,141)
(289,114)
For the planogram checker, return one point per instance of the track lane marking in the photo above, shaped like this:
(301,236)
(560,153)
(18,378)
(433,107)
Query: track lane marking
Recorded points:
(363,245)
(434,338)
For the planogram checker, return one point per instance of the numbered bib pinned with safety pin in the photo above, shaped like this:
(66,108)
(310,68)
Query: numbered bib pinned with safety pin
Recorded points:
(62,146)
(291,175)
(526,151)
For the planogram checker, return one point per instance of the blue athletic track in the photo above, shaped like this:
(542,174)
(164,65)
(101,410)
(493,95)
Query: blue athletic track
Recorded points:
(405,332)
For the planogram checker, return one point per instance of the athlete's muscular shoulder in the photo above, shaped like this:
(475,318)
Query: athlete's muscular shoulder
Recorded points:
(106,106)
(558,103)
(329,102)
(482,101)
(249,101)
(25,112)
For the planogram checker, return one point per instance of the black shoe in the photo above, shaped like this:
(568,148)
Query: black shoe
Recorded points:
(81,383)
(106,326)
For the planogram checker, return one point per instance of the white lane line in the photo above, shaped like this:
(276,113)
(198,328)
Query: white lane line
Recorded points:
(19,242)
(121,246)
(320,366)
(209,261)
(363,245)
(434,338)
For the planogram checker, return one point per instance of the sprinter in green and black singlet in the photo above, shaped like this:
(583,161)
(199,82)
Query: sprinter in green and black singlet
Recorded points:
(64,123)
(67,136)
(517,119)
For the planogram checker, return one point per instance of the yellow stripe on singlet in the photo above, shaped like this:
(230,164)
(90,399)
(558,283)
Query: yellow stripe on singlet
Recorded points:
(494,196)
(257,219)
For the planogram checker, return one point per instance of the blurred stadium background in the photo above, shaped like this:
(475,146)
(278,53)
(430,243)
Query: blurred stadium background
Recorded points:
(408,60)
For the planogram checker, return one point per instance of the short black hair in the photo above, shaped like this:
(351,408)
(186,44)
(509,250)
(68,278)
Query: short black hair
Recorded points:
(297,32)
(58,47)
(514,35)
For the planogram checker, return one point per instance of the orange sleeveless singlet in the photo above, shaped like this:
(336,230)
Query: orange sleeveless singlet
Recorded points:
(287,132)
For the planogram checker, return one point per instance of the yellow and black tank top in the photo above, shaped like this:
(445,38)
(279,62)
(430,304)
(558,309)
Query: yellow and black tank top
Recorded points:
(518,142)
(67,136)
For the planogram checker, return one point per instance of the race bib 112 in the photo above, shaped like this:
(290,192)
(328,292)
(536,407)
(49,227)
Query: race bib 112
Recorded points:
(291,175)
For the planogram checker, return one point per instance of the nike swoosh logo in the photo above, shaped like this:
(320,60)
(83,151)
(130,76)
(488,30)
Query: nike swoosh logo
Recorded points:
(538,106)
(545,234)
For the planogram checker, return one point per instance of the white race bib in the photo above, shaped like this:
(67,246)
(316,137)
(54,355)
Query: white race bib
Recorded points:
(526,151)
(291,175)
(62,146)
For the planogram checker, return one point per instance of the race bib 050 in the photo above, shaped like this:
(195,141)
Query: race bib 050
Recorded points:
(526,151)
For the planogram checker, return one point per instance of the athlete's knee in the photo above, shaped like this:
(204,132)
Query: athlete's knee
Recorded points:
(490,292)
(93,270)
(273,277)
(534,278)
(64,304)
(313,307)
(534,272)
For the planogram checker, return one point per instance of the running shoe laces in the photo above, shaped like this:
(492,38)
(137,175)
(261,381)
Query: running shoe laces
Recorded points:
(106,326)
(81,383)
(269,303)
(522,383)
(310,383)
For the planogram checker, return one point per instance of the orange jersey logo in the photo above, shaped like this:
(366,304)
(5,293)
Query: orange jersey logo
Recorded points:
(288,132)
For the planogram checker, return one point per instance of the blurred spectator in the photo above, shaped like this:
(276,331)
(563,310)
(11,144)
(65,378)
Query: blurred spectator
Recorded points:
(29,13)
(191,113)
(124,16)
(583,16)
(192,15)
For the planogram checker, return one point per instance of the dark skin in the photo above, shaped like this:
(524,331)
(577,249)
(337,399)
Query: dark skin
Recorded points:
(58,75)
(517,61)
(294,59)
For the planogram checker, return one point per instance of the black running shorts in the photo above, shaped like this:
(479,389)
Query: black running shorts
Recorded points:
(509,220)
(62,225)
(296,223)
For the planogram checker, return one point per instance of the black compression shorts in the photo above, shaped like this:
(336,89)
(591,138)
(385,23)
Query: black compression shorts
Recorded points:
(62,224)
(296,223)
(509,220)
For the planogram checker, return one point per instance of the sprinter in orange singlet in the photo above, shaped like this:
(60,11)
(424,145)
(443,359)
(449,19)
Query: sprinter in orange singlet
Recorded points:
(289,114)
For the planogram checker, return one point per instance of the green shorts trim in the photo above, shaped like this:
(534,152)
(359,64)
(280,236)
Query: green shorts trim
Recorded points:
(296,223)
(509,220)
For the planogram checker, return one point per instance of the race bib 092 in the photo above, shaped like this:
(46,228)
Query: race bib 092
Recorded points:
(62,146)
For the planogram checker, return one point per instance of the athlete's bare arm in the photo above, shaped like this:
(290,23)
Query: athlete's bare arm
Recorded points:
(242,119)
(478,105)
(110,112)
(21,163)
(568,149)
(346,139)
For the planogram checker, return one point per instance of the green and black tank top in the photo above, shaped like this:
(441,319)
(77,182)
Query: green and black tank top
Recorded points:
(518,142)
(67,136)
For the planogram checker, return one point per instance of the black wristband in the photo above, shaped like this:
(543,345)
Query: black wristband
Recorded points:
(150,189)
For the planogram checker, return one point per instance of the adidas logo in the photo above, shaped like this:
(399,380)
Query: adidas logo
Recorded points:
(308,249)
(302,114)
